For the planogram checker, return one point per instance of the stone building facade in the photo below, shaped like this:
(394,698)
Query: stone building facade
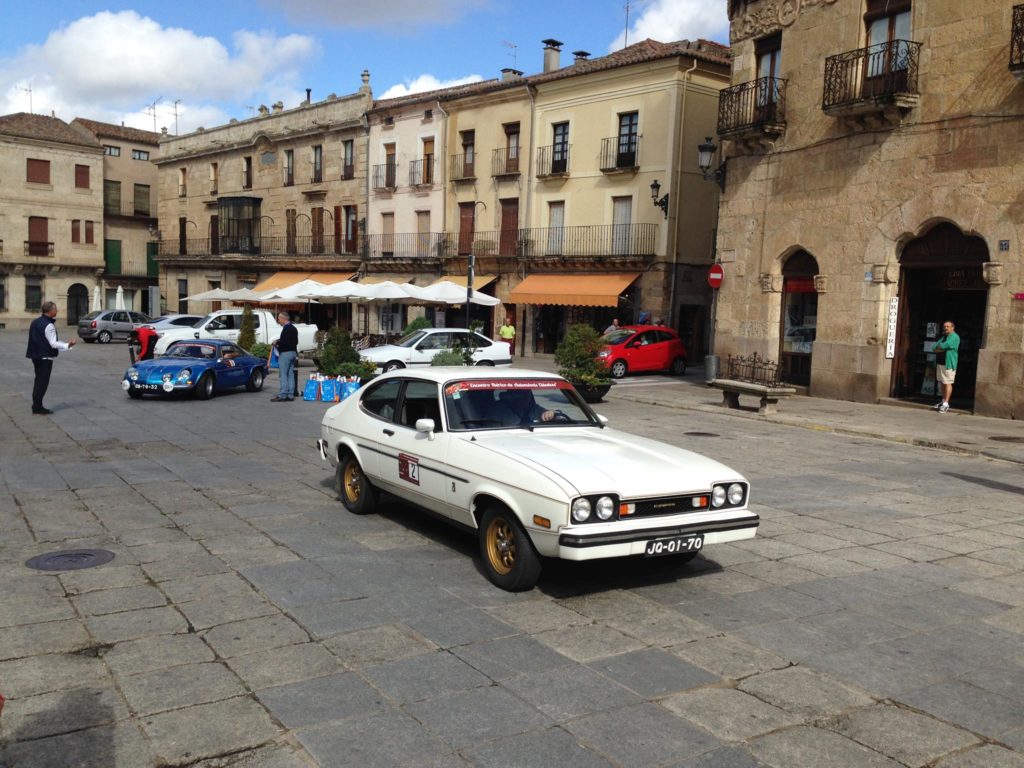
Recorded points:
(872,192)
(51,218)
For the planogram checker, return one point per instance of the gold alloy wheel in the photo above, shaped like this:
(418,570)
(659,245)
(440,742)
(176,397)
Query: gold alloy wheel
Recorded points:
(353,484)
(501,546)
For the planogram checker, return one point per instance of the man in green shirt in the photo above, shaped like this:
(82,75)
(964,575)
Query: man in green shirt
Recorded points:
(946,349)
(507,333)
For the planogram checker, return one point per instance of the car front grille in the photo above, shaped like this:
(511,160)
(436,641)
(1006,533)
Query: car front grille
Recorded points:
(669,505)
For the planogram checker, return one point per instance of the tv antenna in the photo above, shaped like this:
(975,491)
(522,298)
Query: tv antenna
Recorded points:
(29,92)
(514,51)
(629,6)
(151,110)
(174,108)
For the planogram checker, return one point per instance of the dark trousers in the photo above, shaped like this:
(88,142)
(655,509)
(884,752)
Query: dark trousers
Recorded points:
(43,370)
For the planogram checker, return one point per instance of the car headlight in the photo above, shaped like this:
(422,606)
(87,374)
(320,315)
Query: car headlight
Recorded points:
(184,374)
(605,508)
(133,374)
(580,510)
(735,494)
(166,377)
(718,496)
(604,353)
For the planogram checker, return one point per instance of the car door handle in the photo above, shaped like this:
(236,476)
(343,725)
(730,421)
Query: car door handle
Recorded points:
(389,432)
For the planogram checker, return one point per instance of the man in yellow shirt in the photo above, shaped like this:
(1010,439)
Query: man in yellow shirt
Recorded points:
(507,332)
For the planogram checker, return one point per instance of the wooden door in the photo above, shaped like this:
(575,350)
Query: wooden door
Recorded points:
(467,213)
(509,227)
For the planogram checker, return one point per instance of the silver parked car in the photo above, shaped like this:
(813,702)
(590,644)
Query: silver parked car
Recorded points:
(165,322)
(110,324)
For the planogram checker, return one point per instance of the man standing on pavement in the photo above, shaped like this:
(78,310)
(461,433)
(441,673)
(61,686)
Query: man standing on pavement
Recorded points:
(946,349)
(507,332)
(43,347)
(287,355)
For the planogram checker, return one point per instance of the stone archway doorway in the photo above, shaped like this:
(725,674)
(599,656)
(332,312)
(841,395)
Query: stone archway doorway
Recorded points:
(78,303)
(941,278)
(799,324)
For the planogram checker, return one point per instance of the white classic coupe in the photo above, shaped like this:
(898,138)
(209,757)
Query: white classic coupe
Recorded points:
(418,348)
(520,460)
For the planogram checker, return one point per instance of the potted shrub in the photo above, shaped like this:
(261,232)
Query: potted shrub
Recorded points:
(340,358)
(578,363)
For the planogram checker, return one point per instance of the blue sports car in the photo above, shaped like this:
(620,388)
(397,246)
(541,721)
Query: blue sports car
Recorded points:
(200,366)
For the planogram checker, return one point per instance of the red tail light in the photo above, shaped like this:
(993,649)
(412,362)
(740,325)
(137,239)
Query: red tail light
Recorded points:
(93,323)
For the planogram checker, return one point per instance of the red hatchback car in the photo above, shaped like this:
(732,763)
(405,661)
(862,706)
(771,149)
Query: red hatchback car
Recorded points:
(644,348)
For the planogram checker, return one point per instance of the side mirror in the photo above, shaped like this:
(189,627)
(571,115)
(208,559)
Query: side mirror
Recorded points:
(602,419)
(197,334)
(426,425)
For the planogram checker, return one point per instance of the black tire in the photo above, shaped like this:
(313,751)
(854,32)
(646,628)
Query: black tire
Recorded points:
(205,387)
(509,558)
(678,367)
(104,337)
(394,365)
(357,493)
(255,382)
(134,394)
(619,369)
(89,341)
(486,362)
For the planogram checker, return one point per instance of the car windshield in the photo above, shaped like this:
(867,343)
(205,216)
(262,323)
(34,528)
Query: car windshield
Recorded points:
(188,349)
(201,321)
(617,337)
(514,404)
(411,339)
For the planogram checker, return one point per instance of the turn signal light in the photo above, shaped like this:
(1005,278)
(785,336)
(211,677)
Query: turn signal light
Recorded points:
(625,510)
(543,522)
(699,501)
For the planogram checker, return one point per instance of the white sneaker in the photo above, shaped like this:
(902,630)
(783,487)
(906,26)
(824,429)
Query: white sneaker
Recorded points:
(943,407)
(937,406)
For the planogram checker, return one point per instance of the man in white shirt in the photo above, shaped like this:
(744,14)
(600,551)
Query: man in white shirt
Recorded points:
(43,347)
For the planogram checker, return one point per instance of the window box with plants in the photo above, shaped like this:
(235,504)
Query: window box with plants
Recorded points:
(579,363)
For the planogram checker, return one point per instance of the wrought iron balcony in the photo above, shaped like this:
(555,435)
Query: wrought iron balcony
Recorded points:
(553,160)
(133,209)
(316,176)
(598,241)
(1017,43)
(385,176)
(348,171)
(620,153)
(406,245)
(753,110)
(289,178)
(38,248)
(313,246)
(505,161)
(130,267)
(463,167)
(877,79)
(421,172)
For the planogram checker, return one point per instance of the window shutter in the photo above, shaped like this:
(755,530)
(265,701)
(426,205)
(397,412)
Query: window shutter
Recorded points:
(89,238)
(38,171)
(76,231)
(81,176)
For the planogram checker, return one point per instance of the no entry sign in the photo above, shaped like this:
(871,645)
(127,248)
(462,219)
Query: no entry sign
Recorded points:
(715,275)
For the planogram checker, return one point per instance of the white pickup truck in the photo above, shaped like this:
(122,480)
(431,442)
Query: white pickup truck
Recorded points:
(227,324)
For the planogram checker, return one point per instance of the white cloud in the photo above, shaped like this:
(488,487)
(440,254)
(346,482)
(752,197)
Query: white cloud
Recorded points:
(111,65)
(425,83)
(402,13)
(669,20)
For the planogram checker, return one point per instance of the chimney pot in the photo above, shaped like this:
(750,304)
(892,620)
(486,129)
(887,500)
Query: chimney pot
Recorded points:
(309,94)
(510,74)
(552,54)
(581,55)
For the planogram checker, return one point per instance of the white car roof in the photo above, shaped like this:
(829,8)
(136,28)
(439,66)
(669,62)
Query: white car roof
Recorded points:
(443,373)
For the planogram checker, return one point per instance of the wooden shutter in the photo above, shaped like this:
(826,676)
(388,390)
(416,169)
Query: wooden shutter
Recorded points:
(89,234)
(37,171)
(76,231)
(467,212)
(509,227)
(337,229)
(81,177)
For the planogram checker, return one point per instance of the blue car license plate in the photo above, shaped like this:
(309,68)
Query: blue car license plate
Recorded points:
(677,545)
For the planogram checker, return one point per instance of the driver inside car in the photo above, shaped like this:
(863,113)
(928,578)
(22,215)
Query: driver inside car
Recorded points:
(523,407)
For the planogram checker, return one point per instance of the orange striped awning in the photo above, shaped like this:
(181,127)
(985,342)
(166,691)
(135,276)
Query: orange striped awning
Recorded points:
(280,280)
(572,290)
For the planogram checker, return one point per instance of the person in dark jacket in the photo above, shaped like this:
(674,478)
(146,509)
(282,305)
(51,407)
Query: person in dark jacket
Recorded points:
(288,356)
(43,347)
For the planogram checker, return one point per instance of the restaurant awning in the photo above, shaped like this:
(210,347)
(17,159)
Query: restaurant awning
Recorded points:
(572,290)
(479,281)
(280,280)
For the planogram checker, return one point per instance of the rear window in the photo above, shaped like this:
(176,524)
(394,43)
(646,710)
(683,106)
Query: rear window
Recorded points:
(90,316)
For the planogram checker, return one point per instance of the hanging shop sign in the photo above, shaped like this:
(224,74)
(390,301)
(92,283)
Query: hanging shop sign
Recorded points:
(890,333)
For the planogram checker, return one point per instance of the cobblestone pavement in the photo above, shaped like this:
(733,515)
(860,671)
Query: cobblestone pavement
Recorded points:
(247,620)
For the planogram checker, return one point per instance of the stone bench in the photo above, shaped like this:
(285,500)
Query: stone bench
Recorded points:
(732,389)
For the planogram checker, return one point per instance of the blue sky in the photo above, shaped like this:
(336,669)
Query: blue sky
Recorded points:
(222,59)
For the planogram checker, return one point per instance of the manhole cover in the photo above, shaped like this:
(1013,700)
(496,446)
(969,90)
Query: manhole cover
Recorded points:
(70,560)
(700,434)
(1008,438)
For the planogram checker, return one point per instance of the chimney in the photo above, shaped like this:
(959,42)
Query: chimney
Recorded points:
(510,74)
(366,82)
(263,110)
(277,106)
(581,55)
(552,54)
(309,95)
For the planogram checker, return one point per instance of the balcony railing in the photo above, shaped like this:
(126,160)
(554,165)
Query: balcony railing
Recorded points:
(213,187)
(38,248)
(297,245)
(620,153)
(463,167)
(128,208)
(599,240)
(348,171)
(183,190)
(421,172)
(1017,43)
(405,245)
(289,178)
(880,75)
(505,161)
(316,176)
(385,176)
(132,267)
(553,160)
(757,107)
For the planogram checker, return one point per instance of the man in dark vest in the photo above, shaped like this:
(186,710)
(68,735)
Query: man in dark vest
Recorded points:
(42,349)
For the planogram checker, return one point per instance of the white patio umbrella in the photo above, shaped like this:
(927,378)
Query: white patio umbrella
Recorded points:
(119,298)
(245,294)
(214,294)
(340,293)
(447,292)
(391,291)
(300,291)
(97,302)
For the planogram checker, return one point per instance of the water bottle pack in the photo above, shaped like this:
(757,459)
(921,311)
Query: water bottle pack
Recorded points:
(329,389)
